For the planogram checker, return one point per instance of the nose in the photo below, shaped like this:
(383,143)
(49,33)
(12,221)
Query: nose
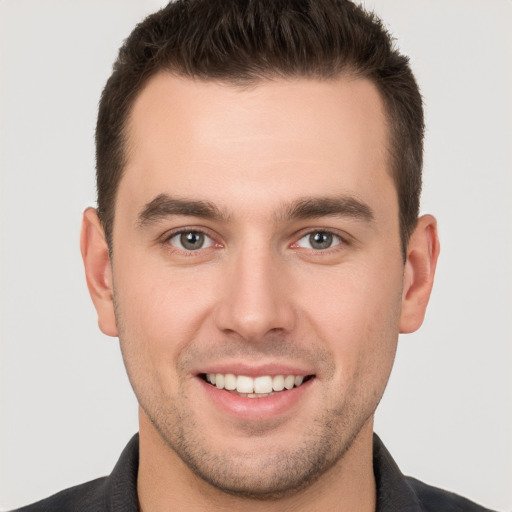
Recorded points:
(255,300)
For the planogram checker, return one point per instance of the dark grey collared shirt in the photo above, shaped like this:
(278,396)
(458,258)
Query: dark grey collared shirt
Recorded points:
(118,492)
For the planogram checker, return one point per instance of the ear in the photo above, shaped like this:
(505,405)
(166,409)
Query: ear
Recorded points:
(420,267)
(98,271)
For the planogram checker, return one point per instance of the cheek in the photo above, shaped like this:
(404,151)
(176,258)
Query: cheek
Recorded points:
(355,311)
(162,309)
(350,299)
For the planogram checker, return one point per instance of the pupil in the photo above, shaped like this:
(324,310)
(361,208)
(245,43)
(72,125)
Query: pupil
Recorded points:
(321,240)
(192,240)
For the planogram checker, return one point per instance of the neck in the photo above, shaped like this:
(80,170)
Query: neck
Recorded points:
(165,481)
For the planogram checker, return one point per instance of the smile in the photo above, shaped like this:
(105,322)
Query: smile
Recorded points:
(257,387)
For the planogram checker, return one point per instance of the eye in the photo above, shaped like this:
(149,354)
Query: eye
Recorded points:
(191,240)
(319,240)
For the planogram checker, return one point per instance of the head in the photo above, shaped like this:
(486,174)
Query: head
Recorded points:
(245,43)
(258,181)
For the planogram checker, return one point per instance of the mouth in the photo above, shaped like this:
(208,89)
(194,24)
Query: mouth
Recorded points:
(255,387)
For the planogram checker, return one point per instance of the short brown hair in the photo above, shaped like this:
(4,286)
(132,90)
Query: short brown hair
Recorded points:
(246,41)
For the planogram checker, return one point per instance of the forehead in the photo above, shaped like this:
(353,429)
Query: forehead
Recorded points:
(277,138)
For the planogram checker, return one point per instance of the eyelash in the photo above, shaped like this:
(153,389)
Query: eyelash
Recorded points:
(186,231)
(341,241)
(337,240)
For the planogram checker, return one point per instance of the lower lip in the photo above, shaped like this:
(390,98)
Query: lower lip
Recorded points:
(256,408)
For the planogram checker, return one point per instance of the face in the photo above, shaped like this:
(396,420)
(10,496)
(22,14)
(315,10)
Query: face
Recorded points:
(257,274)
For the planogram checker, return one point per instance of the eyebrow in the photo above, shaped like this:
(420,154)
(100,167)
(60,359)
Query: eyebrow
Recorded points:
(163,206)
(343,206)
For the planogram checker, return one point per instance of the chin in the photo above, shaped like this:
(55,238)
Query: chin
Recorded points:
(265,466)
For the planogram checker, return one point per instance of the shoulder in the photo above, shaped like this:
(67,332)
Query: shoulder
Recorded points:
(117,492)
(87,497)
(433,499)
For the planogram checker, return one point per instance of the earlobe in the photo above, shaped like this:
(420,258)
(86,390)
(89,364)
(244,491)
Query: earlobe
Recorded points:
(98,271)
(420,267)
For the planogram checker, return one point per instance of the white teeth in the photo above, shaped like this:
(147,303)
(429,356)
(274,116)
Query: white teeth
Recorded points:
(263,384)
(278,383)
(244,384)
(230,381)
(256,387)
(289,381)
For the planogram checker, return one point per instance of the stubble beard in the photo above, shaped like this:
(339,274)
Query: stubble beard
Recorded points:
(276,474)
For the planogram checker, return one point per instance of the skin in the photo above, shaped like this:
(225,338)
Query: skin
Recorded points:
(258,293)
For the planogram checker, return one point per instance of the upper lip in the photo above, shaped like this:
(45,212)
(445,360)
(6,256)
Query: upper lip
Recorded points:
(249,370)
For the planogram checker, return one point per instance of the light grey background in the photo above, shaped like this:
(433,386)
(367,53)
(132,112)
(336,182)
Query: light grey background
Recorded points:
(67,409)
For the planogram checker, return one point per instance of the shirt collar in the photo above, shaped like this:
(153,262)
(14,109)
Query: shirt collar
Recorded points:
(393,491)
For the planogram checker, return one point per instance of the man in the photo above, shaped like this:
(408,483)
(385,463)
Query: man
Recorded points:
(257,249)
